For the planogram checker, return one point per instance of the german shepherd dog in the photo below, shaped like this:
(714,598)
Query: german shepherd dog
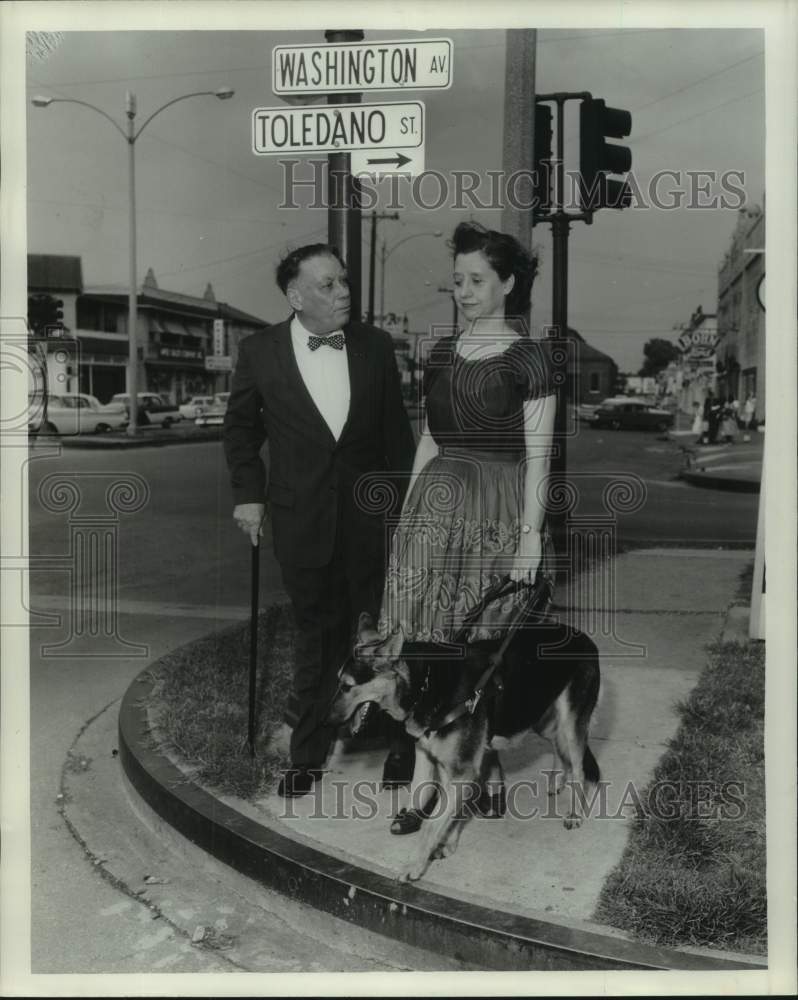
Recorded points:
(548,682)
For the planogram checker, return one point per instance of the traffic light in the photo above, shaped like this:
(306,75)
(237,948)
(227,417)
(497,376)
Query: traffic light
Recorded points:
(45,315)
(58,314)
(597,158)
(542,167)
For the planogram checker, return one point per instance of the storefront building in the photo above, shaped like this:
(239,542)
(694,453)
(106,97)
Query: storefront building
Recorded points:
(175,335)
(741,315)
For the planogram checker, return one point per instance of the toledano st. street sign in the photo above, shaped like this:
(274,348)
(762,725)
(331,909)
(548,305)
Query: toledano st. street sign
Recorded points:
(341,128)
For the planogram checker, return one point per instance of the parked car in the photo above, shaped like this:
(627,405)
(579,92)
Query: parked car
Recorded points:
(214,414)
(75,413)
(631,414)
(153,409)
(196,406)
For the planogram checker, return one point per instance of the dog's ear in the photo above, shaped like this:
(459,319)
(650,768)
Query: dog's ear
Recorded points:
(368,640)
(392,647)
(367,634)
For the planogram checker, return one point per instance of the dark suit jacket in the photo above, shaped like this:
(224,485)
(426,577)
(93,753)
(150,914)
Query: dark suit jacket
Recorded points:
(312,477)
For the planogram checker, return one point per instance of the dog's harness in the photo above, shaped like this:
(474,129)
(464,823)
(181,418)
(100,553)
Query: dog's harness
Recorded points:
(537,601)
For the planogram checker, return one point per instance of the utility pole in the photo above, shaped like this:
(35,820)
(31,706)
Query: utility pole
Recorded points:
(343,193)
(375,217)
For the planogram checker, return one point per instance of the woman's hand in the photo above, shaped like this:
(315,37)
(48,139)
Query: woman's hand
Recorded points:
(528,556)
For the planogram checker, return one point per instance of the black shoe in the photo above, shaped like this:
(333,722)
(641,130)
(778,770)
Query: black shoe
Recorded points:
(398,769)
(407,821)
(297,781)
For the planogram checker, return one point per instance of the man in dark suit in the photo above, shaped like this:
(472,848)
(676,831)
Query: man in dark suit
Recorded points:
(325,393)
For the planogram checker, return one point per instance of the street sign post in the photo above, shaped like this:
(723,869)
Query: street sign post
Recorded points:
(338,128)
(357,67)
(215,363)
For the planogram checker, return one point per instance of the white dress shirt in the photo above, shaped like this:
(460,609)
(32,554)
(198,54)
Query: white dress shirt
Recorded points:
(325,373)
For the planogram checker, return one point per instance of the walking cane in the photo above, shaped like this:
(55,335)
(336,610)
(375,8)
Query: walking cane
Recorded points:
(253,642)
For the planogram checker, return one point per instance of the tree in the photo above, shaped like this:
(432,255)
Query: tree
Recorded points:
(658,354)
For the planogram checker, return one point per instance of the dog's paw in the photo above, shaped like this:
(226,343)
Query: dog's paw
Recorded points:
(572,822)
(411,874)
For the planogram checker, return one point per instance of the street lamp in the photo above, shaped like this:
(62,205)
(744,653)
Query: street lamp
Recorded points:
(130,135)
(385,253)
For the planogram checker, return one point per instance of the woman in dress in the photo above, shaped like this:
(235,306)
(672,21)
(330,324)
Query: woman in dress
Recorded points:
(474,510)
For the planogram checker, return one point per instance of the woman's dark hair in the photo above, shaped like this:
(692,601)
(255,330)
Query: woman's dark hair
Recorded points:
(506,256)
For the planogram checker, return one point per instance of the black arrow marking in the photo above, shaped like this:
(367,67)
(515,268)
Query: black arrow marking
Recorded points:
(397,161)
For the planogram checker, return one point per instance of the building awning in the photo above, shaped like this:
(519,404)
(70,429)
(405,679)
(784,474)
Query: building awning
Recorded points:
(176,363)
(98,345)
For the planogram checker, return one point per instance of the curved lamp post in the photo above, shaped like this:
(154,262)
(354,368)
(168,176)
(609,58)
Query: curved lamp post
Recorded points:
(130,135)
(385,253)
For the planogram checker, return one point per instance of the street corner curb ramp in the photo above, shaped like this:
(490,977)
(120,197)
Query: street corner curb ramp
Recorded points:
(485,937)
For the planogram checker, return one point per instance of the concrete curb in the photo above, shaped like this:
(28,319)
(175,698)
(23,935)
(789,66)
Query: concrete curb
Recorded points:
(488,938)
(157,440)
(713,482)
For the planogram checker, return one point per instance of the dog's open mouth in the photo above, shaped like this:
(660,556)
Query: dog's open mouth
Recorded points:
(360,716)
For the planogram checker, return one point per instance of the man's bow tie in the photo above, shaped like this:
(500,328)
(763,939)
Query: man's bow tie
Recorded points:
(336,340)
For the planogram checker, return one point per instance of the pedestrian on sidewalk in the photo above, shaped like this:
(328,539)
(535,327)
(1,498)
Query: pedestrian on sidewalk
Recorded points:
(697,426)
(712,409)
(749,411)
(324,391)
(728,424)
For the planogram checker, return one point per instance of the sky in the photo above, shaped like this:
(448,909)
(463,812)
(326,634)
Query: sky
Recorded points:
(208,208)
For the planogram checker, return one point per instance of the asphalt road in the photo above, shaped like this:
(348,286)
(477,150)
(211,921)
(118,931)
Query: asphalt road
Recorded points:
(182,547)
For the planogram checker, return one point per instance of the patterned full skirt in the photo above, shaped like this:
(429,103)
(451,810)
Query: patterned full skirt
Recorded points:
(457,537)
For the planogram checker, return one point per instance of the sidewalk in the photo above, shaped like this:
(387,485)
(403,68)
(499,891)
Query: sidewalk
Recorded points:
(662,607)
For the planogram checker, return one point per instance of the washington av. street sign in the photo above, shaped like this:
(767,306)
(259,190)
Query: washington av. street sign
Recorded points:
(358,67)
(386,129)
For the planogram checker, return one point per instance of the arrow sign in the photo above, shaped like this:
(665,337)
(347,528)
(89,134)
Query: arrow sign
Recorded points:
(398,161)
(387,161)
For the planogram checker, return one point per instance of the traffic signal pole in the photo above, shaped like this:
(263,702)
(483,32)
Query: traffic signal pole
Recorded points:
(560,222)
(596,159)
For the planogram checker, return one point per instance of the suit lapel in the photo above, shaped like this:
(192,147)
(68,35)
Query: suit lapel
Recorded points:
(357,356)
(293,378)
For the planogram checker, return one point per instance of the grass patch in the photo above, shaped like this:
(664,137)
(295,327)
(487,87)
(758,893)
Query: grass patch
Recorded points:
(699,879)
(200,703)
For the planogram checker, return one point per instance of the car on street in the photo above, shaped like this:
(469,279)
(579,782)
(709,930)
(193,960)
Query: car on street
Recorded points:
(74,413)
(632,414)
(214,414)
(196,406)
(152,409)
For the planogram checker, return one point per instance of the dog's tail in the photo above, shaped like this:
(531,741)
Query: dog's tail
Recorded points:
(590,767)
